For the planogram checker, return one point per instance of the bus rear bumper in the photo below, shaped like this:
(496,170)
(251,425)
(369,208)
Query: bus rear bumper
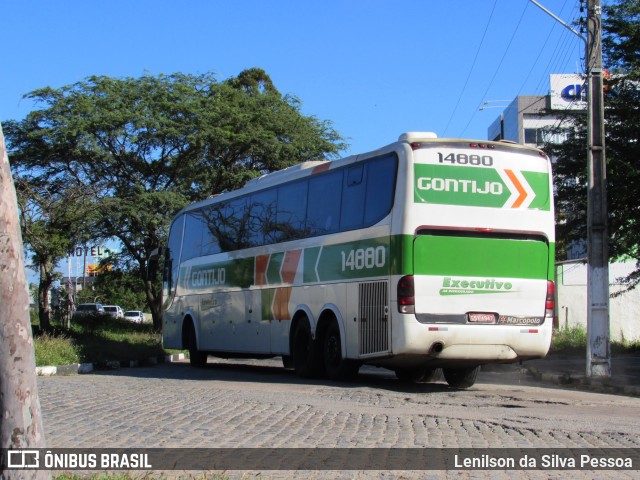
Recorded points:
(438,343)
(482,353)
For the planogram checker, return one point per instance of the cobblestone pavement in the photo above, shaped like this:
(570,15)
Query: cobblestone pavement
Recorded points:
(259,404)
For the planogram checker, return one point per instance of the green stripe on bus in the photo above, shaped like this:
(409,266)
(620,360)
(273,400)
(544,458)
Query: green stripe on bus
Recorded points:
(552,262)
(401,254)
(454,185)
(477,186)
(273,270)
(219,275)
(351,260)
(540,184)
(309,266)
(481,257)
(267,295)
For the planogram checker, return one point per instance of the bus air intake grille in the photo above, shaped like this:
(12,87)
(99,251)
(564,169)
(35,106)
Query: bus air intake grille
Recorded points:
(373,315)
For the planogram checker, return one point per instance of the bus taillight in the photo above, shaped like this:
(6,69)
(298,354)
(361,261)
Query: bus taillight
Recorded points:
(406,295)
(550,304)
(482,145)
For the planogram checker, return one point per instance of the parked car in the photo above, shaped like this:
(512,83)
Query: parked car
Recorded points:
(134,316)
(87,310)
(114,310)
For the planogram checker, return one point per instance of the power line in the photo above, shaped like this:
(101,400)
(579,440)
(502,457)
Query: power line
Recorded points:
(472,66)
(497,69)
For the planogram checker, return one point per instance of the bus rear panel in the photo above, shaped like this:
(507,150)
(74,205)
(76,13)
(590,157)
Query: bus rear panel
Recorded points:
(478,286)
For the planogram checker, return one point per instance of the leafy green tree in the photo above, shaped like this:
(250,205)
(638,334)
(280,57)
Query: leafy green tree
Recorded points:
(52,216)
(621,47)
(119,283)
(153,144)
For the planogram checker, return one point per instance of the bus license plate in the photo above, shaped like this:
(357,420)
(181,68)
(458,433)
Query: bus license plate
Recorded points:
(477,317)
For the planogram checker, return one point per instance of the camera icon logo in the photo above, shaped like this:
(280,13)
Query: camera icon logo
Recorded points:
(21,459)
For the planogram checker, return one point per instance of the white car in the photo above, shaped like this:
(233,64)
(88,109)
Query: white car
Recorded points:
(135,316)
(114,310)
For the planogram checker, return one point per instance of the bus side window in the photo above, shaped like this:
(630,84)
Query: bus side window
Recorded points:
(381,180)
(210,243)
(353,198)
(292,209)
(354,175)
(233,225)
(262,218)
(323,211)
(172,259)
(193,229)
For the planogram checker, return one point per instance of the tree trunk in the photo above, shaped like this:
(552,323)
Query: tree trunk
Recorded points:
(153,300)
(149,273)
(44,309)
(20,419)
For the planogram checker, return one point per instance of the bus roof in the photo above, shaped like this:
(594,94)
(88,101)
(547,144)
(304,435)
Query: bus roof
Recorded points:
(415,139)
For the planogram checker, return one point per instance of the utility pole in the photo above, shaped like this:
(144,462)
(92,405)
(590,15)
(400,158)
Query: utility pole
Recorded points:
(598,351)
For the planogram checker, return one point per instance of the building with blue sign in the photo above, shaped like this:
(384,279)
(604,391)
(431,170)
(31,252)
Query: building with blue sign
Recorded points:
(526,119)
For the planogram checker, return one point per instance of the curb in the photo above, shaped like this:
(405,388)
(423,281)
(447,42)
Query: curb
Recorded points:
(582,382)
(82,368)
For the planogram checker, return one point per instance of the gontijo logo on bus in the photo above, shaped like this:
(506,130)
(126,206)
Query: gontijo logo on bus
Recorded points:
(481,187)
(475,286)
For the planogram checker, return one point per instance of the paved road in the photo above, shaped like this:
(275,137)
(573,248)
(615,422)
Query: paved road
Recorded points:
(259,404)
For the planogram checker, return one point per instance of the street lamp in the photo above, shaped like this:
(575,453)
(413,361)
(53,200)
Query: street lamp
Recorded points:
(487,102)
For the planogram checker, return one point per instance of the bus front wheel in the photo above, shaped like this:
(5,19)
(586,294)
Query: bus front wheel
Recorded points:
(461,377)
(197,358)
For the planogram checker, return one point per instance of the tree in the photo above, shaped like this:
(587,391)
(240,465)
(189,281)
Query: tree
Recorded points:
(154,144)
(119,283)
(20,418)
(621,44)
(52,218)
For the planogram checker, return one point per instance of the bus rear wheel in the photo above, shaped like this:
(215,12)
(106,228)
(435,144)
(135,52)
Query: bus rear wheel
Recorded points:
(305,351)
(336,367)
(461,377)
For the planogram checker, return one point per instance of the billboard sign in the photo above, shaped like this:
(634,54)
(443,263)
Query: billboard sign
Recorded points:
(568,92)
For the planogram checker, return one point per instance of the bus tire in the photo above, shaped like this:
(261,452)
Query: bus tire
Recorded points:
(197,358)
(305,351)
(335,366)
(418,374)
(461,377)
(287,362)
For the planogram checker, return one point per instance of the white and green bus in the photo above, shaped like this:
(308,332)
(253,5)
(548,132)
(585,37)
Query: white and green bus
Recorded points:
(426,254)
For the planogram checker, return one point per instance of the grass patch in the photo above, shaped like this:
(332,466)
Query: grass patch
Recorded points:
(570,340)
(97,340)
(573,340)
(52,349)
(625,346)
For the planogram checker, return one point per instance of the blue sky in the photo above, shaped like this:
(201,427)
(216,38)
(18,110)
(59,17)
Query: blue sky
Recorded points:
(375,68)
